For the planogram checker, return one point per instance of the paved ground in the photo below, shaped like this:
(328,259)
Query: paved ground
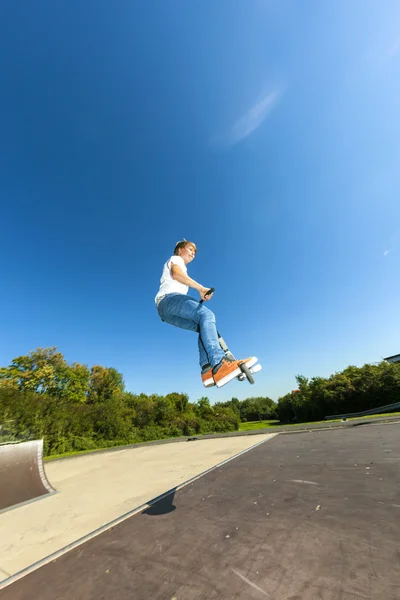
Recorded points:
(304,517)
(96,489)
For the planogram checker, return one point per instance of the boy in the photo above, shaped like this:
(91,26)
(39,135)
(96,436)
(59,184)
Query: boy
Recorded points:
(177,308)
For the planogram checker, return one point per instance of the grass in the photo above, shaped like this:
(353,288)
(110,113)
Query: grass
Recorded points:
(111,447)
(92,450)
(247,426)
(273,423)
(74,453)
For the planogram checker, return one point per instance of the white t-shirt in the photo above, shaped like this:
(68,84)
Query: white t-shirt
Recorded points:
(168,285)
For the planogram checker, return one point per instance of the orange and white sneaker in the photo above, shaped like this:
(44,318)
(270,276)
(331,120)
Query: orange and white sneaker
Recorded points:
(228,369)
(207,376)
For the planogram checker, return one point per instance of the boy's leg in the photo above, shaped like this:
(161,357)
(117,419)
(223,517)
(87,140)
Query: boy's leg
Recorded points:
(203,356)
(185,312)
(206,368)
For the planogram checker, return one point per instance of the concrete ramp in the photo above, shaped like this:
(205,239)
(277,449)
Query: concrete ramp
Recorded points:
(22,476)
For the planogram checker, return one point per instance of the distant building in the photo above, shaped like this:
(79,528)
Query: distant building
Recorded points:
(393,359)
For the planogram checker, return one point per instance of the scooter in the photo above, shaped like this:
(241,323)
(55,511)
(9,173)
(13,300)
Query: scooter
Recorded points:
(247,372)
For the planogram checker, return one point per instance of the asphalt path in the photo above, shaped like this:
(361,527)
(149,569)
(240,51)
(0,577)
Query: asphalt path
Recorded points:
(302,517)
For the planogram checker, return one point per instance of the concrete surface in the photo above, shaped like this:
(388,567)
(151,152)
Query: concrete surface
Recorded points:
(314,516)
(96,489)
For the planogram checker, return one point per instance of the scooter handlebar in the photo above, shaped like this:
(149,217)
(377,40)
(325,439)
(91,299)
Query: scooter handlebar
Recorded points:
(210,291)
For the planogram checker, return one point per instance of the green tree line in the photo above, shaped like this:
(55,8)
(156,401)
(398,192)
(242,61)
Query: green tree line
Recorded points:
(76,408)
(352,390)
(73,407)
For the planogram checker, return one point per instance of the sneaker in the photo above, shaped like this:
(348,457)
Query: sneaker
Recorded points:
(207,376)
(228,369)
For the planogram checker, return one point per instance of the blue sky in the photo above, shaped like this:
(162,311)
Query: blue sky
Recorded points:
(267,132)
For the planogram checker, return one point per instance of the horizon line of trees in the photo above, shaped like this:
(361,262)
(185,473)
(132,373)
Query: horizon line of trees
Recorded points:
(73,407)
(355,389)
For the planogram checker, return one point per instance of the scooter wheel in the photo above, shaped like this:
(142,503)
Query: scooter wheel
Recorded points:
(245,369)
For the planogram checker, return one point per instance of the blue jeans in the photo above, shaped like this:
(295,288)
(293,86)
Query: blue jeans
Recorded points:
(187,313)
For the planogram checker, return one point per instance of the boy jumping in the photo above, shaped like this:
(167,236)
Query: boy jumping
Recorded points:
(177,308)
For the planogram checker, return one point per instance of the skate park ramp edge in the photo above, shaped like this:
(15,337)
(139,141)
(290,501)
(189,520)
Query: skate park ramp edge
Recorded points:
(22,475)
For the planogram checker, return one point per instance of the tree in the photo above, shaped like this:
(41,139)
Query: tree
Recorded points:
(181,401)
(45,371)
(257,409)
(164,409)
(203,408)
(145,410)
(104,382)
(76,379)
(284,408)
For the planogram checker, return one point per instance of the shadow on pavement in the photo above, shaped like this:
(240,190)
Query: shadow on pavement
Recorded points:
(163,506)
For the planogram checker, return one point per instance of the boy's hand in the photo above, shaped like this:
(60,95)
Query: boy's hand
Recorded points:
(203,291)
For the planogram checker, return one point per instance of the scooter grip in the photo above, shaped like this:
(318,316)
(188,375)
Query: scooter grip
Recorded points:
(210,291)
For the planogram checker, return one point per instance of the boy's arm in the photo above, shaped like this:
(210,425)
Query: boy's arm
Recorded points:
(180,276)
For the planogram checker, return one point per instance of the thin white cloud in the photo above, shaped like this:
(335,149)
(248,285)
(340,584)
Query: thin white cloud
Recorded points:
(250,121)
(393,244)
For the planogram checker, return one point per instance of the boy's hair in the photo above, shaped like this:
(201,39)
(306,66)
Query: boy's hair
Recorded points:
(183,244)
